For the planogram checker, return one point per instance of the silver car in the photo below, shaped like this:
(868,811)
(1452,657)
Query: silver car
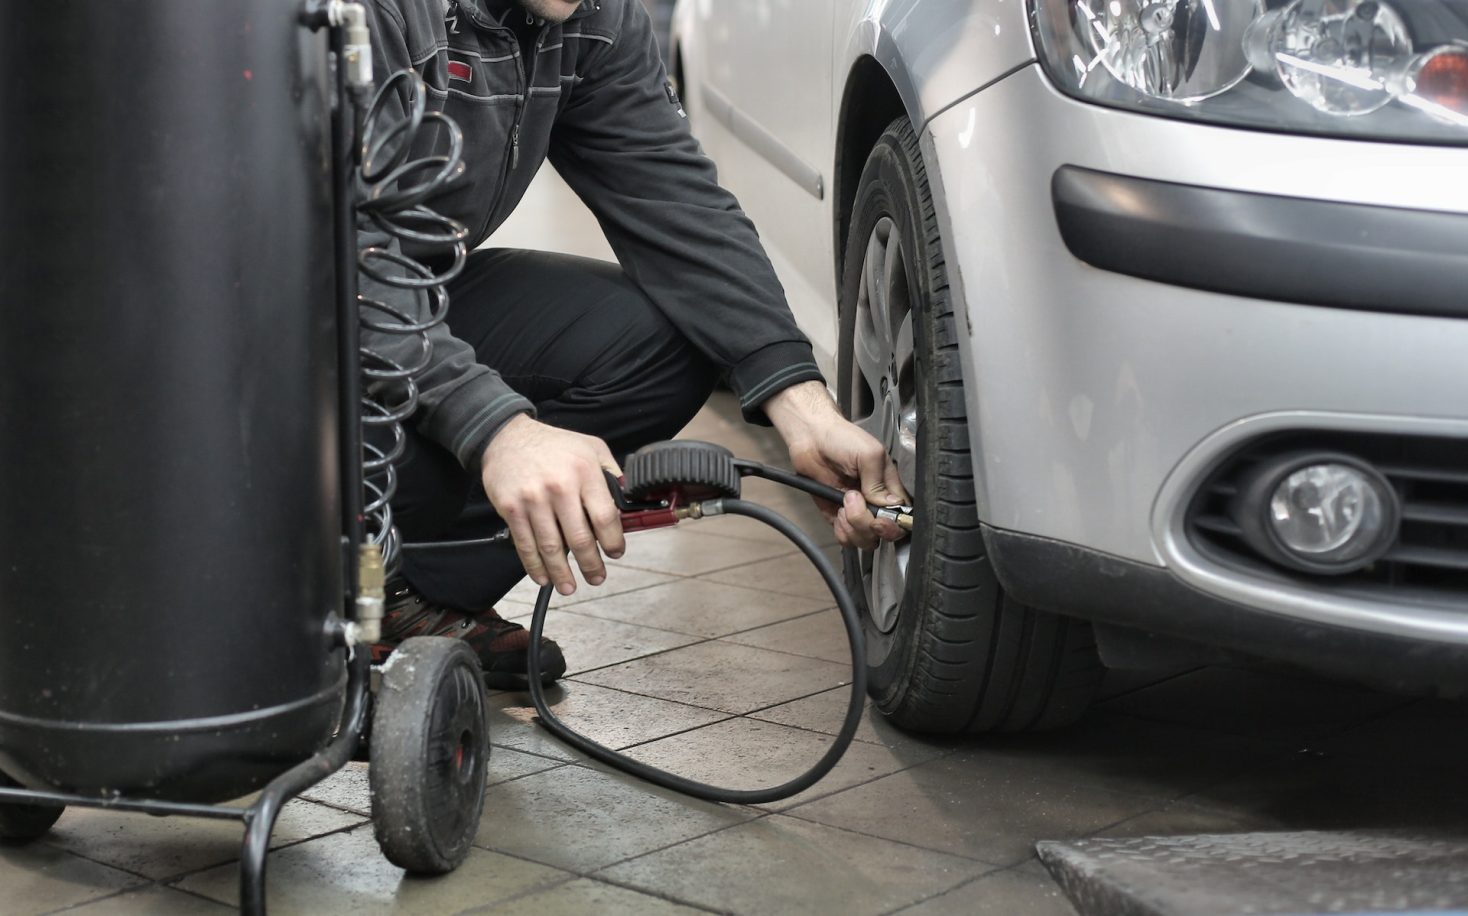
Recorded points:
(1160,305)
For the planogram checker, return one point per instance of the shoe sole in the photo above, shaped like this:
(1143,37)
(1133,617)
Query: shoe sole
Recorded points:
(554,669)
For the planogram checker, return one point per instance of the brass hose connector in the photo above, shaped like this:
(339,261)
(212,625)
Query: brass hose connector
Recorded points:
(371,593)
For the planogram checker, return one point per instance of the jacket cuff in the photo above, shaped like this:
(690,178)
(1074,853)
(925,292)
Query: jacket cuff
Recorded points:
(770,370)
(468,419)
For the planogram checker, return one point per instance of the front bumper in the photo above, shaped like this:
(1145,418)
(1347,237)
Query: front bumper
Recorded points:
(1099,399)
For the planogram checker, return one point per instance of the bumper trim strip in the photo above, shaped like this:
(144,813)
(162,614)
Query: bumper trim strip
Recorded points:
(1287,249)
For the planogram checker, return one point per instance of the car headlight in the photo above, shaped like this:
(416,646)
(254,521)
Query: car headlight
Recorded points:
(1391,69)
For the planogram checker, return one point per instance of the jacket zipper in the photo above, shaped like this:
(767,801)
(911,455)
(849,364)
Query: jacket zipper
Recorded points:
(512,155)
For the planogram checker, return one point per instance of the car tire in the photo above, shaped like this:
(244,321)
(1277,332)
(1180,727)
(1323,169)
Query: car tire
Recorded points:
(947,650)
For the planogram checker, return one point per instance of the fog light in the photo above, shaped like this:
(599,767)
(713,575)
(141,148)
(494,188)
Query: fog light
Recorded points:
(1318,513)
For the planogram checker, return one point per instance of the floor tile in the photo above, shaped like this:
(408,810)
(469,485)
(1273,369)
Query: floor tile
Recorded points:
(1243,701)
(38,878)
(619,579)
(590,642)
(588,896)
(790,575)
(517,734)
(1026,889)
(699,608)
(348,788)
(506,763)
(1183,818)
(749,754)
(162,847)
(819,635)
(580,819)
(688,552)
(956,804)
(782,865)
(609,717)
(346,873)
(825,712)
(724,676)
(153,901)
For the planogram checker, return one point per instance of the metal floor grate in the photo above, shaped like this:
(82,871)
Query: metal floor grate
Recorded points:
(1296,873)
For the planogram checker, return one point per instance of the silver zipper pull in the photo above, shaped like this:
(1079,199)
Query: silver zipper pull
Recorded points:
(514,147)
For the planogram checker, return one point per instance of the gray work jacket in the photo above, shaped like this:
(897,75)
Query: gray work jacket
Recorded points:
(592,96)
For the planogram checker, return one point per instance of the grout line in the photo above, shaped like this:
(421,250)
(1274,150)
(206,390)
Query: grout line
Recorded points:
(568,607)
(528,892)
(661,895)
(709,572)
(886,839)
(111,896)
(965,883)
(757,815)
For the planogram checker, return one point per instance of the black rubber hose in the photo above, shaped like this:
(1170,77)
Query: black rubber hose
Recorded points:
(791,479)
(691,787)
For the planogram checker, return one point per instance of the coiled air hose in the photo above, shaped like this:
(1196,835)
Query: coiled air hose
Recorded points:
(392,185)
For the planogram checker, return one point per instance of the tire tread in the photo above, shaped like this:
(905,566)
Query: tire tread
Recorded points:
(979,660)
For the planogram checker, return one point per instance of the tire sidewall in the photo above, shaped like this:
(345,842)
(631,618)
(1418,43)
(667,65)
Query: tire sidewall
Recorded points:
(889,187)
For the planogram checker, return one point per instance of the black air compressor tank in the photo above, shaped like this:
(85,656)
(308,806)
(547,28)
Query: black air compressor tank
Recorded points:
(169,528)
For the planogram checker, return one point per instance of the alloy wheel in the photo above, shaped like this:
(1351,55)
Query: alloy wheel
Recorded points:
(884,400)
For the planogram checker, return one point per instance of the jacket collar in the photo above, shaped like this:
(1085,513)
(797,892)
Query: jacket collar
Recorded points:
(493,14)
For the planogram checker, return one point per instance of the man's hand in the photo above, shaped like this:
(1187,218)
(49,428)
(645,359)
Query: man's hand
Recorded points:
(825,446)
(547,484)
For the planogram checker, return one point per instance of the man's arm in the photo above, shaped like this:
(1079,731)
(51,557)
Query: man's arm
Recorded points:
(623,144)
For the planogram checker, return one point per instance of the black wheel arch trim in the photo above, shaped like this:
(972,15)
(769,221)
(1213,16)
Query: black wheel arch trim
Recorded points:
(1068,579)
(1287,249)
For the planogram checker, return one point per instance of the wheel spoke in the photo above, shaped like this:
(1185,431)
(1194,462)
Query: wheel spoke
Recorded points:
(902,346)
(905,456)
(871,359)
(875,277)
(894,286)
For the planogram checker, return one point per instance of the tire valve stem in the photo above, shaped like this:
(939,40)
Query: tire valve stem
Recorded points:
(901,516)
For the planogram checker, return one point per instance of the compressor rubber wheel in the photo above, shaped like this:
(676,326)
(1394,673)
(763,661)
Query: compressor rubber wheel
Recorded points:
(947,650)
(23,823)
(430,746)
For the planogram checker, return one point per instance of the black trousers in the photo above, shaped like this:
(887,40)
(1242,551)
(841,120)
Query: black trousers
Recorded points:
(583,343)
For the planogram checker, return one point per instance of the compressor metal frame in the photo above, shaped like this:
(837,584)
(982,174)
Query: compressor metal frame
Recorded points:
(260,816)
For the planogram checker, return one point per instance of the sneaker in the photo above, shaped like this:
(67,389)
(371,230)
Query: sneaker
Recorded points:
(500,644)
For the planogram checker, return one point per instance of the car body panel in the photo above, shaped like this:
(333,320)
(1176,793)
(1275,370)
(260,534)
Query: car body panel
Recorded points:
(1096,400)
(935,51)
(1085,388)
(755,64)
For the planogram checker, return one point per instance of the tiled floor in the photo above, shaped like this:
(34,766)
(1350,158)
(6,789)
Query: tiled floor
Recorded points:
(714,651)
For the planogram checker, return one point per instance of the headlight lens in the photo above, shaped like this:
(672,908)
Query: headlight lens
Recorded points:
(1394,69)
